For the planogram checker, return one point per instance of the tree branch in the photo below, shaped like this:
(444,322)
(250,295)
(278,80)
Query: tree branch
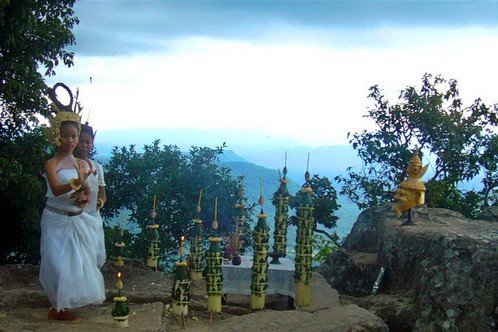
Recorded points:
(321,231)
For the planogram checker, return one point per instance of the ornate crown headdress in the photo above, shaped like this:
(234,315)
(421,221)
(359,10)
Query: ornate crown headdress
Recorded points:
(86,128)
(415,158)
(63,113)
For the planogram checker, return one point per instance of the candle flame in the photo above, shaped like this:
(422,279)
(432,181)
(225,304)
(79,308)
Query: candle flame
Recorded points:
(119,274)
(182,238)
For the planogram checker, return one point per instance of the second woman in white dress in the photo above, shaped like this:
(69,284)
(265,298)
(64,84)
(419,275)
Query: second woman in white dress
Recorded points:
(97,187)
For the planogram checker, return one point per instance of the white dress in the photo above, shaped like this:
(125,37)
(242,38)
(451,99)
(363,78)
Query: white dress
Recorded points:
(68,269)
(95,180)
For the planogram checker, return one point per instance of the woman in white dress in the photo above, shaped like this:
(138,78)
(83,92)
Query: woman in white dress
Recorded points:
(68,268)
(97,186)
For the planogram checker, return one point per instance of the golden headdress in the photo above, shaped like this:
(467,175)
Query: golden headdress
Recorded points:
(63,113)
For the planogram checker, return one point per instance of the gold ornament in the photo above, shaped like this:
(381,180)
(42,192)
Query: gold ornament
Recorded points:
(63,113)
(411,192)
(74,186)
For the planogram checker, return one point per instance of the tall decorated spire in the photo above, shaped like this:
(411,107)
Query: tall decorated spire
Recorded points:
(119,245)
(197,245)
(259,283)
(240,218)
(304,244)
(281,216)
(214,277)
(154,243)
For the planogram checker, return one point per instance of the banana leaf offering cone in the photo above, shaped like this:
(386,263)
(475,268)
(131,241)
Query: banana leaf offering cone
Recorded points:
(304,246)
(154,247)
(196,252)
(214,276)
(281,216)
(181,290)
(259,283)
(120,309)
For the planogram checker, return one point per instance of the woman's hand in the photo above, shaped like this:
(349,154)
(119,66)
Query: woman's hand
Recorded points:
(83,174)
(80,199)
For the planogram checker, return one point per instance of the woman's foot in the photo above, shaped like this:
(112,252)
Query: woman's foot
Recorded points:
(61,315)
(52,314)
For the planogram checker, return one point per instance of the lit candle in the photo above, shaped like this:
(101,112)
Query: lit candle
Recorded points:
(308,163)
(180,251)
(154,205)
(119,283)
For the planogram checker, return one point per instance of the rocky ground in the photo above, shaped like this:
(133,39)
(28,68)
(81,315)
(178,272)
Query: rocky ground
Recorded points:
(23,307)
(441,273)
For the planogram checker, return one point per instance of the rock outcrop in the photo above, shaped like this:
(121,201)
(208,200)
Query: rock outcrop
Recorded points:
(445,267)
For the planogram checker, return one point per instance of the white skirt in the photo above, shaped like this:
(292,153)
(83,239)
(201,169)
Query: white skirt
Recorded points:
(68,268)
(98,228)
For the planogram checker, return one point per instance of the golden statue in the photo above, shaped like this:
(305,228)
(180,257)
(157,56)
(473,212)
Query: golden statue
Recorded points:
(411,192)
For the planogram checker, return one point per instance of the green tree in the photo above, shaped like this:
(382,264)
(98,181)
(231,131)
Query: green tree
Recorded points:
(22,192)
(459,143)
(325,205)
(34,35)
(133,178)
(33,38)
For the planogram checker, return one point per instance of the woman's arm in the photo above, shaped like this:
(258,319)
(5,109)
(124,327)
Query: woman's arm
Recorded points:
(102,195)
(60,189)
(51,172)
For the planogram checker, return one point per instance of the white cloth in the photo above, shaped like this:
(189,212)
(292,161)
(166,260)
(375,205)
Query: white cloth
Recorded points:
(237,278)
(68,268)
(96,180)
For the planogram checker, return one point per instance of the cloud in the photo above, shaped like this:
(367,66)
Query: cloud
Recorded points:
(310,91)
(128,27)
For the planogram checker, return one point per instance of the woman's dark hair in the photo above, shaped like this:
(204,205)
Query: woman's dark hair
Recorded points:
(85,128)
(70,123)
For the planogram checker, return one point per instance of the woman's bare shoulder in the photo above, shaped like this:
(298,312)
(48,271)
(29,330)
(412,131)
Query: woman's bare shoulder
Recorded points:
(51,163)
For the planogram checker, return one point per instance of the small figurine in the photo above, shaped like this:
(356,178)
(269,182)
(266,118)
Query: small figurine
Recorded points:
(411,192)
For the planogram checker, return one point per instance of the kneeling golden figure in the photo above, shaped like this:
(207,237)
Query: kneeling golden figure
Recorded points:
(411,192)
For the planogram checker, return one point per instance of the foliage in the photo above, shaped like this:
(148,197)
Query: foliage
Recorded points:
(325,205)
(459,142)
(22,192)
(33,36)
(323,246)
(133,178)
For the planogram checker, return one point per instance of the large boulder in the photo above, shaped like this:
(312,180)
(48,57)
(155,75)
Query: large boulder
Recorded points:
(490,213)
(445,263)
(366,234)
(351,273)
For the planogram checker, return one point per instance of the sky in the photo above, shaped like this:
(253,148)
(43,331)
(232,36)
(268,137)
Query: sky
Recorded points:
(261,72)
